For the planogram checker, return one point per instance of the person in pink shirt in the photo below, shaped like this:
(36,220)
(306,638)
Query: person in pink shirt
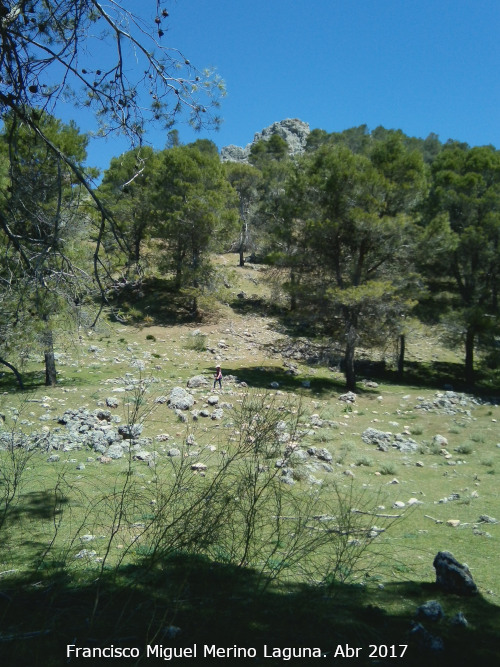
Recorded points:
(218,376)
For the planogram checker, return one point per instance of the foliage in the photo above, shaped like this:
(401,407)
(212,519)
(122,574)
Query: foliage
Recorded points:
(194,213)
(464,228)
(46,264)
(53,50)
(246,181)
(126,192)
(341,224)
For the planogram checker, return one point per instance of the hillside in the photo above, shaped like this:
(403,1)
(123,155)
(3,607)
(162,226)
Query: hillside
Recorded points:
(410,467)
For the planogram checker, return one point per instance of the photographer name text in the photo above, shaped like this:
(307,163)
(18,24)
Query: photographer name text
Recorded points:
(375,651)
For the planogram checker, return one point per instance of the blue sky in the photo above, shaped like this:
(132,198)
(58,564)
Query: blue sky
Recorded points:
(418,65)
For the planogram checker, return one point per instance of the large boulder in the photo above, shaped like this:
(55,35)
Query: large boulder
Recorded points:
(452,576)
(180,399)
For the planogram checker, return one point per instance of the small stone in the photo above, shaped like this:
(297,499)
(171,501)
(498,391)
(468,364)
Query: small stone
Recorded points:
(453,523)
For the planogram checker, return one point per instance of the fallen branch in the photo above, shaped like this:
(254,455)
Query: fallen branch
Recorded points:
(24,635)
(379,516)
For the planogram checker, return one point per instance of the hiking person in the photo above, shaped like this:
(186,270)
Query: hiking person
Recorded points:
(218,376)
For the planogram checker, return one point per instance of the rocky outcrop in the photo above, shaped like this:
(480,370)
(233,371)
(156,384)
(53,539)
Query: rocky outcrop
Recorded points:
(292,130)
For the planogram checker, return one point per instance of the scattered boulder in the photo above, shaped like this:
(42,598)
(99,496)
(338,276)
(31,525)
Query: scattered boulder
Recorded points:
(384,440)
(349,397)
(180,414)
(180,399)
(324,455)
(130,431)
(143,455)
(86,553)
(426,641)
(430,610)
(460,620)
(115,452)
(197,381)
(452,576)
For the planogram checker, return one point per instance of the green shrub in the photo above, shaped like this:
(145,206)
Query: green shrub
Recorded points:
(388,469)
(364,461)
(465,448)
(197,343)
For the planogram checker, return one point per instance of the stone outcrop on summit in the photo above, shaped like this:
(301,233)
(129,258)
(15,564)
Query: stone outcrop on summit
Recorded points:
(292,130)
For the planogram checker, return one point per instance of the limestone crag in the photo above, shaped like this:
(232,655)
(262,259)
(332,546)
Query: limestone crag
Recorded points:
(292,130)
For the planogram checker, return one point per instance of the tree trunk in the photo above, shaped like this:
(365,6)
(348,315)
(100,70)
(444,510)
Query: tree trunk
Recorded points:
(15,371)
(350,348)
(469,355)
(293,291)
(50,362)
(401,355)
(243,236)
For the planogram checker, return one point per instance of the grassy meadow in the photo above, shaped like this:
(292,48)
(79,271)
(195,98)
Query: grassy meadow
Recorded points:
(130,552)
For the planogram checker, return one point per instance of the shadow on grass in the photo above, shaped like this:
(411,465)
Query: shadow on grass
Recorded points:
(263,376)
(187,601)
(156,301)
(31,380)
(37,505)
